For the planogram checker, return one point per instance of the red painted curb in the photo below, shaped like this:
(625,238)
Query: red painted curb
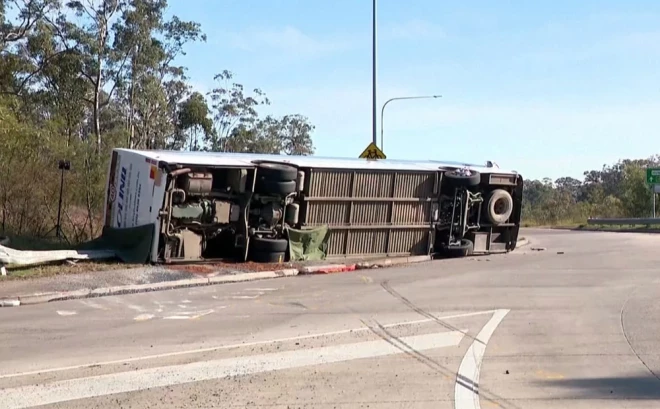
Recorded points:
(335,268)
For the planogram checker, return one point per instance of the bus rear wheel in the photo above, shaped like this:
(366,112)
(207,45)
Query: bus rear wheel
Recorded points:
(276,172)
(462,249)
(462,178)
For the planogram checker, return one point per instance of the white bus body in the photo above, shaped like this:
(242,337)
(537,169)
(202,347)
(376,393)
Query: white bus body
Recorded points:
(219,201)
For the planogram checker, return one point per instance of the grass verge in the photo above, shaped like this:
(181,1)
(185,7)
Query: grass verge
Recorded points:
(65,268)
(612,228)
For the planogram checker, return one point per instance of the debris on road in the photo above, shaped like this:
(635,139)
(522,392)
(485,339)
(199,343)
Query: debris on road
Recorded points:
(538,248)
(10,302)
(13,257)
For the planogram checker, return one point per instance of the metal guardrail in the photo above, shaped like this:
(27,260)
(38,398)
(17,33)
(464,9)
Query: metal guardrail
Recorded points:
(624,221)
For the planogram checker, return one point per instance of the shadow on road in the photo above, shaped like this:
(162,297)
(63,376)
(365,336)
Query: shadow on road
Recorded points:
(634,387)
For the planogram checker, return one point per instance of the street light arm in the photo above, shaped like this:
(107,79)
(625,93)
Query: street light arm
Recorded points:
(382,110)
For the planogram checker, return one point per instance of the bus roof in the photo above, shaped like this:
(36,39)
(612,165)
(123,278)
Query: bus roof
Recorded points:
(247,160)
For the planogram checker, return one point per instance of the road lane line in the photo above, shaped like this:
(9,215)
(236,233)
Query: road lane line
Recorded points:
(448,317)
(66,313)
(123,382)
(188,315)
(243,345)
(466,390)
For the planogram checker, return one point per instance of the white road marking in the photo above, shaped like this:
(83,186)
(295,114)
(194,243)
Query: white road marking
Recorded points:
(466,390)
(188,315)
(242,345)
(143,317)
(66,313)
(186,302)
(245,297)
(102,385)
(261,289)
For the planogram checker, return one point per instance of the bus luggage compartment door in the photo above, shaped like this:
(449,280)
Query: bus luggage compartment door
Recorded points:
(389,213)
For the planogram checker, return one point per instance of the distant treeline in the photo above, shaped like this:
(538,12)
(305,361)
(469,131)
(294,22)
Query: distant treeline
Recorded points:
(618,190)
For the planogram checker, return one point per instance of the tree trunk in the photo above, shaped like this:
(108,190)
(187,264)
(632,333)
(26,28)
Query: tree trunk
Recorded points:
(98,86)
(90,213)
(4,213)
(131,108)
(88,198)
(97,113)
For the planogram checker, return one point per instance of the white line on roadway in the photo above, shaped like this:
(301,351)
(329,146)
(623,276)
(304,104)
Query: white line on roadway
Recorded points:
(102,385)
(261,289)
(466,391)
(246,344)
(188,315)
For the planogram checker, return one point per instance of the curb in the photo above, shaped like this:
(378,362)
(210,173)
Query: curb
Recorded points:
(41,298)
(379,263)
(328,269)
(142,288)
(387,262)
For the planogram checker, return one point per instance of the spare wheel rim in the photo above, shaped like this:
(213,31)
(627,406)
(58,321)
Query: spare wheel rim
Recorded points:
(500,206)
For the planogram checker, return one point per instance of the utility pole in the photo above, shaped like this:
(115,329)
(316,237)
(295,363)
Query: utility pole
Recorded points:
(373,74)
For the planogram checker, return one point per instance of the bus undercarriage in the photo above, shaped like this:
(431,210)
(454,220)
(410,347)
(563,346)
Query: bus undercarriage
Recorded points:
(212,212)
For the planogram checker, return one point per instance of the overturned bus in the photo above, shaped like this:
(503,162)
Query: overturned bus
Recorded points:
(208,205)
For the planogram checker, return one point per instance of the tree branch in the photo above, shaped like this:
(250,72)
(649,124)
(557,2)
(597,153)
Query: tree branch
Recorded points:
(41,67)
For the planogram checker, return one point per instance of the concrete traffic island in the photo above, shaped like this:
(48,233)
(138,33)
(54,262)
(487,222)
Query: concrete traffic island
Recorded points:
(160,278)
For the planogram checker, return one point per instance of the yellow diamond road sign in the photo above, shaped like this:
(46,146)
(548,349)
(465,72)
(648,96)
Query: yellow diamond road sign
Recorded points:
(372,152)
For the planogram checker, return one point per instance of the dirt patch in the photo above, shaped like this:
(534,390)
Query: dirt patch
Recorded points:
(231,266)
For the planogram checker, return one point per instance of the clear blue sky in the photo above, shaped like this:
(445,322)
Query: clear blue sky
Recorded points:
(548,88)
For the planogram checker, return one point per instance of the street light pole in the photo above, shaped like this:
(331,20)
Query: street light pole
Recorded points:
(373,77)
(382,111)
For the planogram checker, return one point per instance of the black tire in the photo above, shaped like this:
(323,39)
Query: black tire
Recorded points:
(262,244)
(267,257)
(276,172)
(4,241)
(272,187)
(499,206)
(457,179)
(465,248)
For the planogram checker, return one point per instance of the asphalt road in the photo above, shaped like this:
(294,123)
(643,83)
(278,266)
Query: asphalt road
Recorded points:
(574,326)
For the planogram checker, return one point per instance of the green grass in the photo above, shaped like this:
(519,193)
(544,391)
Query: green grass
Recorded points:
(52,270)
(564,225)
(586,227)
(638,227)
